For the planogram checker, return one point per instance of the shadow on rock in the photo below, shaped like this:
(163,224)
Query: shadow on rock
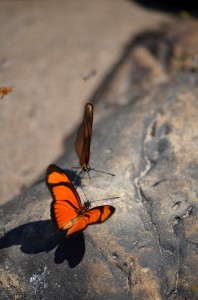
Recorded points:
(41,236)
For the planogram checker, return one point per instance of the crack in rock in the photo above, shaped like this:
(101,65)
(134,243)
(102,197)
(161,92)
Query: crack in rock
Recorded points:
(173,294)
(179,232)
(150,133)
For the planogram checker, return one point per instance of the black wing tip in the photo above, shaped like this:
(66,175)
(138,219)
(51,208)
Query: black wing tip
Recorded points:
(112,209)
(52,167)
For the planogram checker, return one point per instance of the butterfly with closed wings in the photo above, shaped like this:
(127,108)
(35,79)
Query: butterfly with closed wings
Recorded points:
(83,140)
(67,211)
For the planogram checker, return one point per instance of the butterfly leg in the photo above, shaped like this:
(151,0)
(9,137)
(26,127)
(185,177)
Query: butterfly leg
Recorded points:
(84,193)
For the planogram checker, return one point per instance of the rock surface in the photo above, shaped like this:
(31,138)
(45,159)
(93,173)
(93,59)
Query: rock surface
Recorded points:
(148,249)
(48,52)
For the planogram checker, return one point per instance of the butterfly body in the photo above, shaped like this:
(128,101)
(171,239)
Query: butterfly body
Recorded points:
(67,211)
(85,167)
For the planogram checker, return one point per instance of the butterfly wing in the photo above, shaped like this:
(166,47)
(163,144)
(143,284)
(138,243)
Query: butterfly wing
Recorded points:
(66,201)
(95,215)
(83,140)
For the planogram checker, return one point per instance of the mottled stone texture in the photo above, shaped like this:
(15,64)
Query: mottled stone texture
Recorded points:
(149,248)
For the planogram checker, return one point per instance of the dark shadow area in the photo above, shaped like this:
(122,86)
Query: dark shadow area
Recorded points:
(41,236)
(71,249)
(170,6)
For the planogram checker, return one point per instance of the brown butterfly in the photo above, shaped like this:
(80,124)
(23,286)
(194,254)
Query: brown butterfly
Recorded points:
(67,211)
(83,140)
(4,90)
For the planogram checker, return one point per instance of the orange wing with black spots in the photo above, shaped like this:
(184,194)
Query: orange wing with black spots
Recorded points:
(83,139)
(67,212)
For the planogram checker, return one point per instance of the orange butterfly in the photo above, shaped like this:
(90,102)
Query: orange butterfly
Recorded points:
(83,140)
(5,90)
(67,211)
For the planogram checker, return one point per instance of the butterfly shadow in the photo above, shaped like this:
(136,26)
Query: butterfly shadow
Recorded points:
(41,236)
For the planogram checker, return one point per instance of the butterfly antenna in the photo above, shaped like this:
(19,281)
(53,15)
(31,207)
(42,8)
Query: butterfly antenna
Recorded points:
(105,199)
(84,194)
(102,172)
